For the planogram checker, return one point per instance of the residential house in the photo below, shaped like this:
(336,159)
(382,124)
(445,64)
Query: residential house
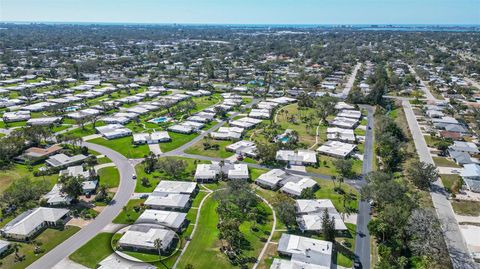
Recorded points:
(143,237)
(28,224)
(299,157)
(171,219)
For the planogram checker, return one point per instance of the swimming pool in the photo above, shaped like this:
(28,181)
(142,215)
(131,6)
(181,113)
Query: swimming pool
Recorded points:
(71,108)
(159,120)
(284,139)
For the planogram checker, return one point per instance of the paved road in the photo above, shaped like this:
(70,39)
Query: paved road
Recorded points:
(351,80)
(362,238)
(125,191)
(423,85)
(457,248)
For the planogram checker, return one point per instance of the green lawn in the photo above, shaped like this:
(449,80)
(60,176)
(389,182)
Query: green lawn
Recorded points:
(87,130)
(198,149)
(326,191)
(469,208)
(18,171)
(124,146)
(327,166)
(449,180)
(359,131)
(48,240)
(109,176)
(255,173)
(204,247)
(156,176)
(130,215)
(177,141)
(444,162)
(306,134)
(89,258)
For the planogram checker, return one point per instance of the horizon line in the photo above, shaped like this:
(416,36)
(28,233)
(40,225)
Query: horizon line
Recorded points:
(239,24)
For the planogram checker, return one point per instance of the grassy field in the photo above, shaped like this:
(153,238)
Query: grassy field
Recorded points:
(327,166)
(156,176)
(130,215)
(124,146)
(326,191)
(444,162)
(449,180)
(18,171)
(306,134)
(468,208)
(204,247)
(109,176)
(48,239)
(85,256)
(198,149)
(177,141)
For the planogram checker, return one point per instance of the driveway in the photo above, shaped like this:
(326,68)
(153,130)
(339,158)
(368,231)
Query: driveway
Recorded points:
(125,191)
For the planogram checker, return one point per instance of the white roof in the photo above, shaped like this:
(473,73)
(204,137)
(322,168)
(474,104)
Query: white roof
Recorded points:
(343,105)
(168,200)
(169,219)
(336,148)
(288,264)
(272,177)
(296,188)
(306,249)
(354,114)
(143,236)
(182,187)
(313,206)
(301,155)
(28,221)
(313,222)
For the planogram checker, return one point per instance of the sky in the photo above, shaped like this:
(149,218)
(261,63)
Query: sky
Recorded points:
(244,11)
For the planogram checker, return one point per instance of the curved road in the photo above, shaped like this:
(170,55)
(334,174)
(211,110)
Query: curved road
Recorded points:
(125,191)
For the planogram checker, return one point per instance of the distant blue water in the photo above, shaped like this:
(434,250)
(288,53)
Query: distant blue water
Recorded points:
(360,27)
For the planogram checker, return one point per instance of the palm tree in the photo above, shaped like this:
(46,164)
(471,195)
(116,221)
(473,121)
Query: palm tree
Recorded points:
(158,246)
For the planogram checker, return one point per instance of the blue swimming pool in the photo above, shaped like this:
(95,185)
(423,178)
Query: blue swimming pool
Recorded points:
(159,120)
(71,108)
(284,139)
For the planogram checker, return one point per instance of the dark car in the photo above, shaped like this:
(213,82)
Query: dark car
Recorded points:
(357,264)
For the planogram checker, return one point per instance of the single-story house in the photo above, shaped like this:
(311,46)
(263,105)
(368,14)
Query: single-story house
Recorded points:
(336,149)
(26,225)
(44,121)
(171,219)
(343,106)
(352,114)
(306,250)
(462,146)
(61,160)
(112,131)
(211,172)
(178,187)
(299,157)
(460,157)
(15,116)
(471,176)
(244,148)
(227,133)
(340,134)
(153,138)
(245,122)
(56,197)
(168,201)
(35,154)
(143,237)
(344,122)
(295,187)
(310,213)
